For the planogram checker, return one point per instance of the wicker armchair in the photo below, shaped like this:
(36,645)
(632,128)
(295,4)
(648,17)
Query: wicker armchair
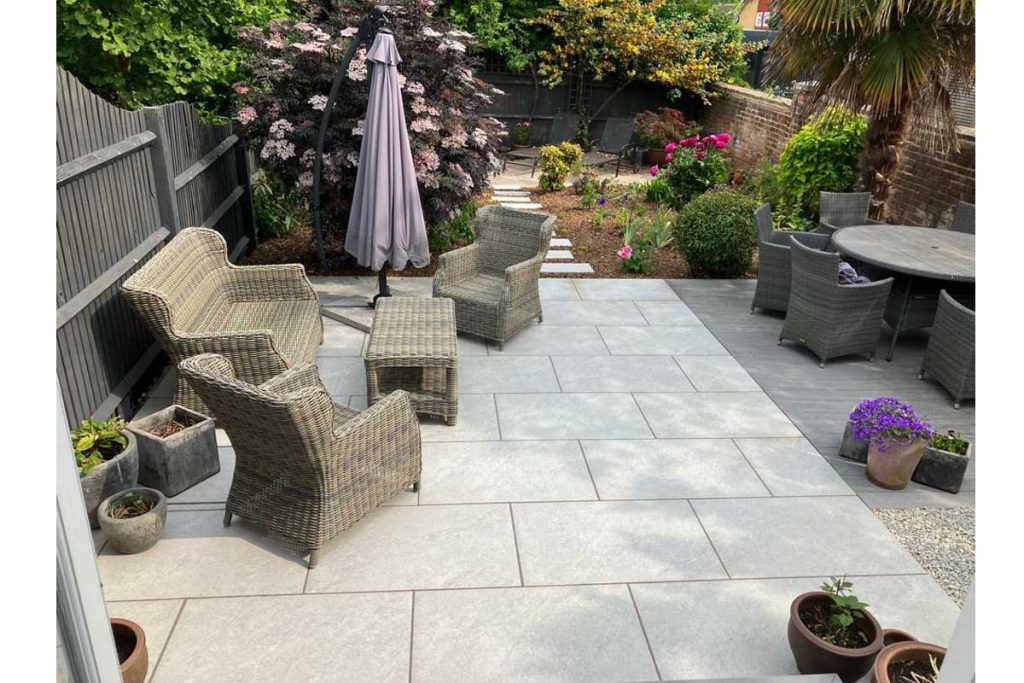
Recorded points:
(843,209)
(829,318)
(306,468)
(264,319)
(774,269)
(494,282)
(963,218)
(949,357)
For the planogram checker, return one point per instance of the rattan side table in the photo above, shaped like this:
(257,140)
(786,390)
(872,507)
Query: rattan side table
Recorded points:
(413,347)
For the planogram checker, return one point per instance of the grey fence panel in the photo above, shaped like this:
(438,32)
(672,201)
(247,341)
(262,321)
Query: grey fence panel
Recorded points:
(117,204)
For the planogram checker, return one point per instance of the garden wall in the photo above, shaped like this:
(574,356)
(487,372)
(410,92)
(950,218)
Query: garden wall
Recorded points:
(928,184)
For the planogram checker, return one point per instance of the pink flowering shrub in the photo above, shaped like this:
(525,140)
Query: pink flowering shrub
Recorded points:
(293,62)
(695,164)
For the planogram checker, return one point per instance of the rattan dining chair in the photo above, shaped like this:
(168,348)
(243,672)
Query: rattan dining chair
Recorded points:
(306,468)
(949,357)
(774,268)
(829,318)
(842,209)
(963,218)
(495,282)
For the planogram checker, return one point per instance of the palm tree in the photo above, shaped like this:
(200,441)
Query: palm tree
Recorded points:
(895,60)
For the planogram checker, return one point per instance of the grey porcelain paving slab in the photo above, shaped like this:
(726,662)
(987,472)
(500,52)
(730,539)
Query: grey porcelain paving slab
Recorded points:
(592,313)
(570,416)
(167,384)
(665,340)
(156,617)
(214,489)
(199,557)
(626,289)
(671,468)
(778,537)
(341,340)
(342,375)
(915,604)
(504,471)
(667,313)
(716,373)
(477,421)
(575,634)
(619,374)
(792,467)
(405,548)
(611,542)
(291,638)
(714,415)
(546,340)
(500,374)
(471,346)
(553,289)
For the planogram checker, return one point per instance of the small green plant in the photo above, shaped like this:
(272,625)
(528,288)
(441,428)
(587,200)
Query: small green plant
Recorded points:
(715,233)
(657,190)
(636,258)
(97,441)
(951,441)
(521,133)
(276,207)
(835,622)
(130,505)
(556,162)
(659,228)
(458,229)
(846,608)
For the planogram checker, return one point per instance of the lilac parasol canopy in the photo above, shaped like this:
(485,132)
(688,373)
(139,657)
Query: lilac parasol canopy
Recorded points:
(386,222)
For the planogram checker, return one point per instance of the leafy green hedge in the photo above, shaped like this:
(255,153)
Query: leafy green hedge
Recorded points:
(715,233)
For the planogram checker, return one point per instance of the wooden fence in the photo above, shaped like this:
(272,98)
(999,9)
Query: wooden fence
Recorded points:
(127,181)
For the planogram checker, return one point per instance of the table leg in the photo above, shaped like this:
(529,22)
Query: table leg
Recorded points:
(452,395)
(903,315)
(371,386)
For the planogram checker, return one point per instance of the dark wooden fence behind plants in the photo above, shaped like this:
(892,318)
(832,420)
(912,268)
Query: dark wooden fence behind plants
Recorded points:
(127,181)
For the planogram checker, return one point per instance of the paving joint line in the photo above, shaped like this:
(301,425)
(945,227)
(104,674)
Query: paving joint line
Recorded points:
(167,643)
(710,542)
(643,630)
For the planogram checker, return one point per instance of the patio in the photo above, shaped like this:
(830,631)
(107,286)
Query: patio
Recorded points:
(635,491)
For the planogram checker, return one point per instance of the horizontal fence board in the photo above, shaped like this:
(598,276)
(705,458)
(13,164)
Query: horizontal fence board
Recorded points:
(193,171)
(108,155)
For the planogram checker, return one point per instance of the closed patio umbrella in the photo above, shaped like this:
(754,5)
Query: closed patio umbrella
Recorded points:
(385,226)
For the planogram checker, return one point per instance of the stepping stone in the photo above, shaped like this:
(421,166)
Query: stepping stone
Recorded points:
(524,207)
(566,268)
(561,242)
(506,186)
(559,255)
(514,200)
(511,193)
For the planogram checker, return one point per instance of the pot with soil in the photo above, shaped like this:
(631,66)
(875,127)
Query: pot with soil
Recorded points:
(908,662)
(944,462)
(177,449)
(133,520)
(831,632)
(132,654)
(896,439)
(108,461)
(655,156)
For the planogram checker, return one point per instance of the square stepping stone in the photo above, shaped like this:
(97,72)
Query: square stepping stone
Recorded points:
(561,242)
(559,255)
(716,373)
(501,374)
(714,415)
(517,205)
(592,313)
(291,638)
(570,416)
(612,542)
(566,268)
(506,186)
(792,467)
(619,374)
(817,536)
(511,193)
(508,198)
(571,634)
(668,339)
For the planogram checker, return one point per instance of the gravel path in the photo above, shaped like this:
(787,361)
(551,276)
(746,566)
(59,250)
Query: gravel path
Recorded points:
(941,539)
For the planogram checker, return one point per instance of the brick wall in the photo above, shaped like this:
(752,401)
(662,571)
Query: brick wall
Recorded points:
(928,184)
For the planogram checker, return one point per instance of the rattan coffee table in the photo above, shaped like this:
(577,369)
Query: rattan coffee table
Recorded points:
(412,347)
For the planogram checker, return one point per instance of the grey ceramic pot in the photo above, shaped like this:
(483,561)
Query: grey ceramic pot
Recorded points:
(853,448)
(116,474)
(135,534)
(942,469)
(180,461)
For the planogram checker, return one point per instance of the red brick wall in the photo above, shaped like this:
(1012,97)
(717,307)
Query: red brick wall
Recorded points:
(928,185)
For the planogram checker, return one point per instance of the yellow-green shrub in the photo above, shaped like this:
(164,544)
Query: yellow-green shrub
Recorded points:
(556,162)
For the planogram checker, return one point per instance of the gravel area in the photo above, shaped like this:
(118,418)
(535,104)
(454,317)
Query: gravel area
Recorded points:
(941,539)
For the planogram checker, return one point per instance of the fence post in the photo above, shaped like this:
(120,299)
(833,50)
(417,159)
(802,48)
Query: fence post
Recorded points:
(246,207)
(163,170)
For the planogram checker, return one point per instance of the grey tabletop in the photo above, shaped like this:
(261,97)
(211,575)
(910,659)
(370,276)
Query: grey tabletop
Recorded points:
(913,250)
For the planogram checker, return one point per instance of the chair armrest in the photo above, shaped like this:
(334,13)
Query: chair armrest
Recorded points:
(867,290)
(276,282)
(826,228)
(386,431)
(521,279)
(303,376)
(252,353)
(814,240)
(456,265)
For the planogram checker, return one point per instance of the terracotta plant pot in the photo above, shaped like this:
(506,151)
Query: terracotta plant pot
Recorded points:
(655,156)
(816,656)
(891,636)
(893,468)
(902,652)
(130,641)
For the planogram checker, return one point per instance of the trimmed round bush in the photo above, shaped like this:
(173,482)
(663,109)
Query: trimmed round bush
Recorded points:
(715,233)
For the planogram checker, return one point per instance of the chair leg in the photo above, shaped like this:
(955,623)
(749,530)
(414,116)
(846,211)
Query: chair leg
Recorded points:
(314,557)
(414,487)
(540,317)
(871,357)
(821,364)
(501,346)
(227,518)
(920,373)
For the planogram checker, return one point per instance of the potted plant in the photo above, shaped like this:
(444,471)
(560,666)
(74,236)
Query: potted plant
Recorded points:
(107,459)
(177,449)
(521,134)
(908,662)
(132,654)
(656,129)
(944,462)
(133,520)
(831,632)
(896,439)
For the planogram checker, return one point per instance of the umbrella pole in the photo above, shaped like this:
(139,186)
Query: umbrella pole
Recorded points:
(382,285)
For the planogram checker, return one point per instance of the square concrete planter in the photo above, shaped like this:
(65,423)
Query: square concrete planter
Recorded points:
(942,469)
(853,448)
(181,460)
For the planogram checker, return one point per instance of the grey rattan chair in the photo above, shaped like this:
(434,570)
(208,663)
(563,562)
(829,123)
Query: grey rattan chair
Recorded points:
(306,468)
(949,357)
(963,218)
(614,145)
(774,269)
(842,209)
(265,319)
(495,282)
(829,318)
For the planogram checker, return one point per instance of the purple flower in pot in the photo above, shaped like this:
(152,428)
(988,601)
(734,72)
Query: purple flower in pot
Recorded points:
(896,439)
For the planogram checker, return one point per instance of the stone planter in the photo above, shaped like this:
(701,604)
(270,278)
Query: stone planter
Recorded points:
(117,474)
(134,534)
(180,461)
(893,468)
(904,652)
(132,654)
(816,656)
(942,469)
(853,448)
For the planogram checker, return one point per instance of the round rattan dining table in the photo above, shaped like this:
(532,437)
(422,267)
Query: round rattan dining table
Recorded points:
(912,251)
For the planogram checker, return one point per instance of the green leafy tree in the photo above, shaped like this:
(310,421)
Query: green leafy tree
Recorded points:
(503,28)
(896,59)
(158,51)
